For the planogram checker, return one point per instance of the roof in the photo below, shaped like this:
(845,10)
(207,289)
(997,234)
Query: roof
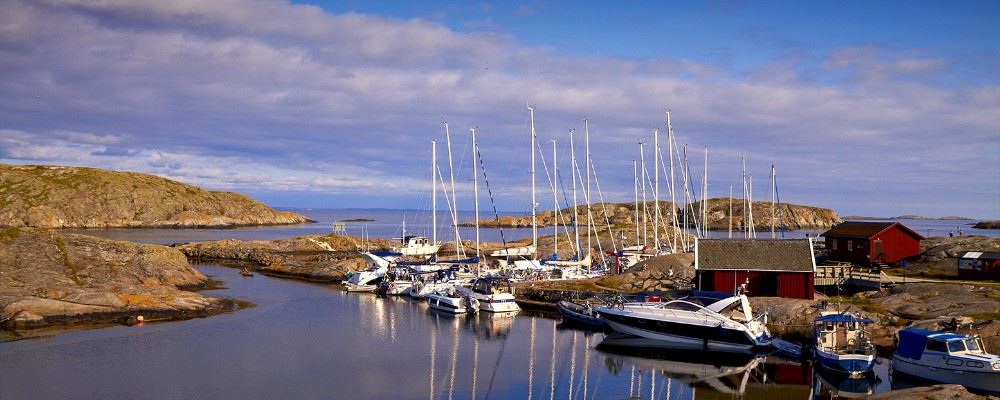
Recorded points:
(843,317)
(792,255)
(983,255)
(912,341)
(865,230)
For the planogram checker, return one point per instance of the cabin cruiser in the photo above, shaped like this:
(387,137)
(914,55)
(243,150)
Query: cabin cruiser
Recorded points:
(947,358)
(494,293)
(450,301)
(703,321)
(841,344)
(368,279)
(416,246)
(397,282)
(424,283)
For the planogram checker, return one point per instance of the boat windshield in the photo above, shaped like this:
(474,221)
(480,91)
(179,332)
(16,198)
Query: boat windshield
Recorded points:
(972,345)
(681,305)
(956,346)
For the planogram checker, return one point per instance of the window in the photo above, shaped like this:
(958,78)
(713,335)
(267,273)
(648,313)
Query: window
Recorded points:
(972,344)
(956,346)
(834,244)
(936,345)
(850,245)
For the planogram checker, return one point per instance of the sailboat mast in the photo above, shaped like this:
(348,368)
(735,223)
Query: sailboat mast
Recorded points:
(586,146)
(534,202)
(434,231)
(635,184)
(772,202)
(454,206)
(704,198)
(656,189)
(555,201)
(673,200)
(645,205)
(475,189)
(746,208)
(576,212)
(730,211)
(753,231)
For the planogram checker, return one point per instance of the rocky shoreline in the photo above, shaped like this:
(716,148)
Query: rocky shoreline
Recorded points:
(49,278)
(76,197)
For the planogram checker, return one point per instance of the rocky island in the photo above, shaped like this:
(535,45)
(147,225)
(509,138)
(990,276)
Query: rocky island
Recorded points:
(52,278)
(78,197)
(621,215)
(993,224)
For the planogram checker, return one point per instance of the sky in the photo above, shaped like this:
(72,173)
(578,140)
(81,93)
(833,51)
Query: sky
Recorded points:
(868,108)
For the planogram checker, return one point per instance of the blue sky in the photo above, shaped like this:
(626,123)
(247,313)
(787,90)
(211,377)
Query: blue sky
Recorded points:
(880,108)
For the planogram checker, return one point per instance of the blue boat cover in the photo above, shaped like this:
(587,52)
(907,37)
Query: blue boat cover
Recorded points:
(473,260)
(912,341)
(843,317)
(386,253)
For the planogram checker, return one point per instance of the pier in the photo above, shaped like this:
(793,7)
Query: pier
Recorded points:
(848,276)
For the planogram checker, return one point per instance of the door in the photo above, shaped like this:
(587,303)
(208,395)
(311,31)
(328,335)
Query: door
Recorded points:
(877,255)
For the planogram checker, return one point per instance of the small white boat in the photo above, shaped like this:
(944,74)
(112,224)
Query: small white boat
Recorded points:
(450,301)
(368,280)
(841,344)
(947,358)
(416,246)
(494,293)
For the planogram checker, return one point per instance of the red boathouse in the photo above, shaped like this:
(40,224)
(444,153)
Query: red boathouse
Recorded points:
(783,268)
(867,243)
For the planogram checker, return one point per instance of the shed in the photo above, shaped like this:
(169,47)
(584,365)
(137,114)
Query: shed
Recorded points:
(783,268)
(868,243)
(979,265)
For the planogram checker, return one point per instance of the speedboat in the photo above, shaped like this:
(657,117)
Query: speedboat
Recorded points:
(947,358)
(425,283)
(368,279)
(449,301)
(494,293)
(841,344)
(703,321)
(397,282)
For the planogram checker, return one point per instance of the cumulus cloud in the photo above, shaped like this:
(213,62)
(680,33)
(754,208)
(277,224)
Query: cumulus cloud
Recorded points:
(269,95)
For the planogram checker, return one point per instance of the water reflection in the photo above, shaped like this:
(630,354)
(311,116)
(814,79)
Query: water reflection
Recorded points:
(318,342)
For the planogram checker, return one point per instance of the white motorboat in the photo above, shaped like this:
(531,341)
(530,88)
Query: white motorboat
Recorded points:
(450,301)
(427,283)
(368,279)
(494,293)
(416,246)
(947,358)
(703,321)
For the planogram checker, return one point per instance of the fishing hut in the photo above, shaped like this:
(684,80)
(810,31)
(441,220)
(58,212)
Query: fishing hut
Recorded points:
(770,267)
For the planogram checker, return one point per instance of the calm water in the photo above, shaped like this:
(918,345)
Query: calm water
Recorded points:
(307,340)
(388,224)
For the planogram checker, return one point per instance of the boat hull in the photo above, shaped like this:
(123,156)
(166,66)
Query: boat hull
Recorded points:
(499,305)
(977,380)
(349,287)
(684,336)
(851,364)
(450,305)
(577,314)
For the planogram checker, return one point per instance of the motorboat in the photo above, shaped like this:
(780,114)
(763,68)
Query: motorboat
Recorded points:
(841,344)
(947,358)
(703,321)
(416,246)
(494,293)
(367,280)
(424,283)
(396,283)
(448,300)
(582,315)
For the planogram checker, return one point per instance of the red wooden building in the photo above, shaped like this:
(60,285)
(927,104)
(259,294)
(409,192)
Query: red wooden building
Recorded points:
(979,265)
(783,268)
(867,243)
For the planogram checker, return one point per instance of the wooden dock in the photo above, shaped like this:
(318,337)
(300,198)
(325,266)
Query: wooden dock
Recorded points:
(846,275)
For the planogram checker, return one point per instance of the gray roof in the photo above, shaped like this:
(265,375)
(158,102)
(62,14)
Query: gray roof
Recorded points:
(794,255)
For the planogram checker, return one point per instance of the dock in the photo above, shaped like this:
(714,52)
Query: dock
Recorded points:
(846,275)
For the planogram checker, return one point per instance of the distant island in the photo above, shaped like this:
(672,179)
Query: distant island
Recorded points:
(994,224)
(76,197)
(919,217)
(357,220)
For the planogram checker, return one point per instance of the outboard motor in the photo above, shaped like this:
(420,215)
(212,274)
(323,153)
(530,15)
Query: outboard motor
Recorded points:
(471,305)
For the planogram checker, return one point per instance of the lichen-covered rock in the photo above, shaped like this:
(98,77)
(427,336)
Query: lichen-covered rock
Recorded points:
(791,216)
(47,277)
(77,197)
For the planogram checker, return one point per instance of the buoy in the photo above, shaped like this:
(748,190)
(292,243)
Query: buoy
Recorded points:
(139,318)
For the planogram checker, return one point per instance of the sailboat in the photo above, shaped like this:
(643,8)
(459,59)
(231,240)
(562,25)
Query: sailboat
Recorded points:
(526,253)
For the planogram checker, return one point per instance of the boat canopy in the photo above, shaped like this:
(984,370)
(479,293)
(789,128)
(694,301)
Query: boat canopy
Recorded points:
(472,260)
(912,341)
(843,317)
(386,254)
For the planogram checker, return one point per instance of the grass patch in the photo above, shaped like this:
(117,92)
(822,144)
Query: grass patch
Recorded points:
(863,303)
(10,233)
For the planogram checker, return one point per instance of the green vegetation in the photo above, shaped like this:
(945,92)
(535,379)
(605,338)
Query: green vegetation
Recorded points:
(10,233)
(984,316)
